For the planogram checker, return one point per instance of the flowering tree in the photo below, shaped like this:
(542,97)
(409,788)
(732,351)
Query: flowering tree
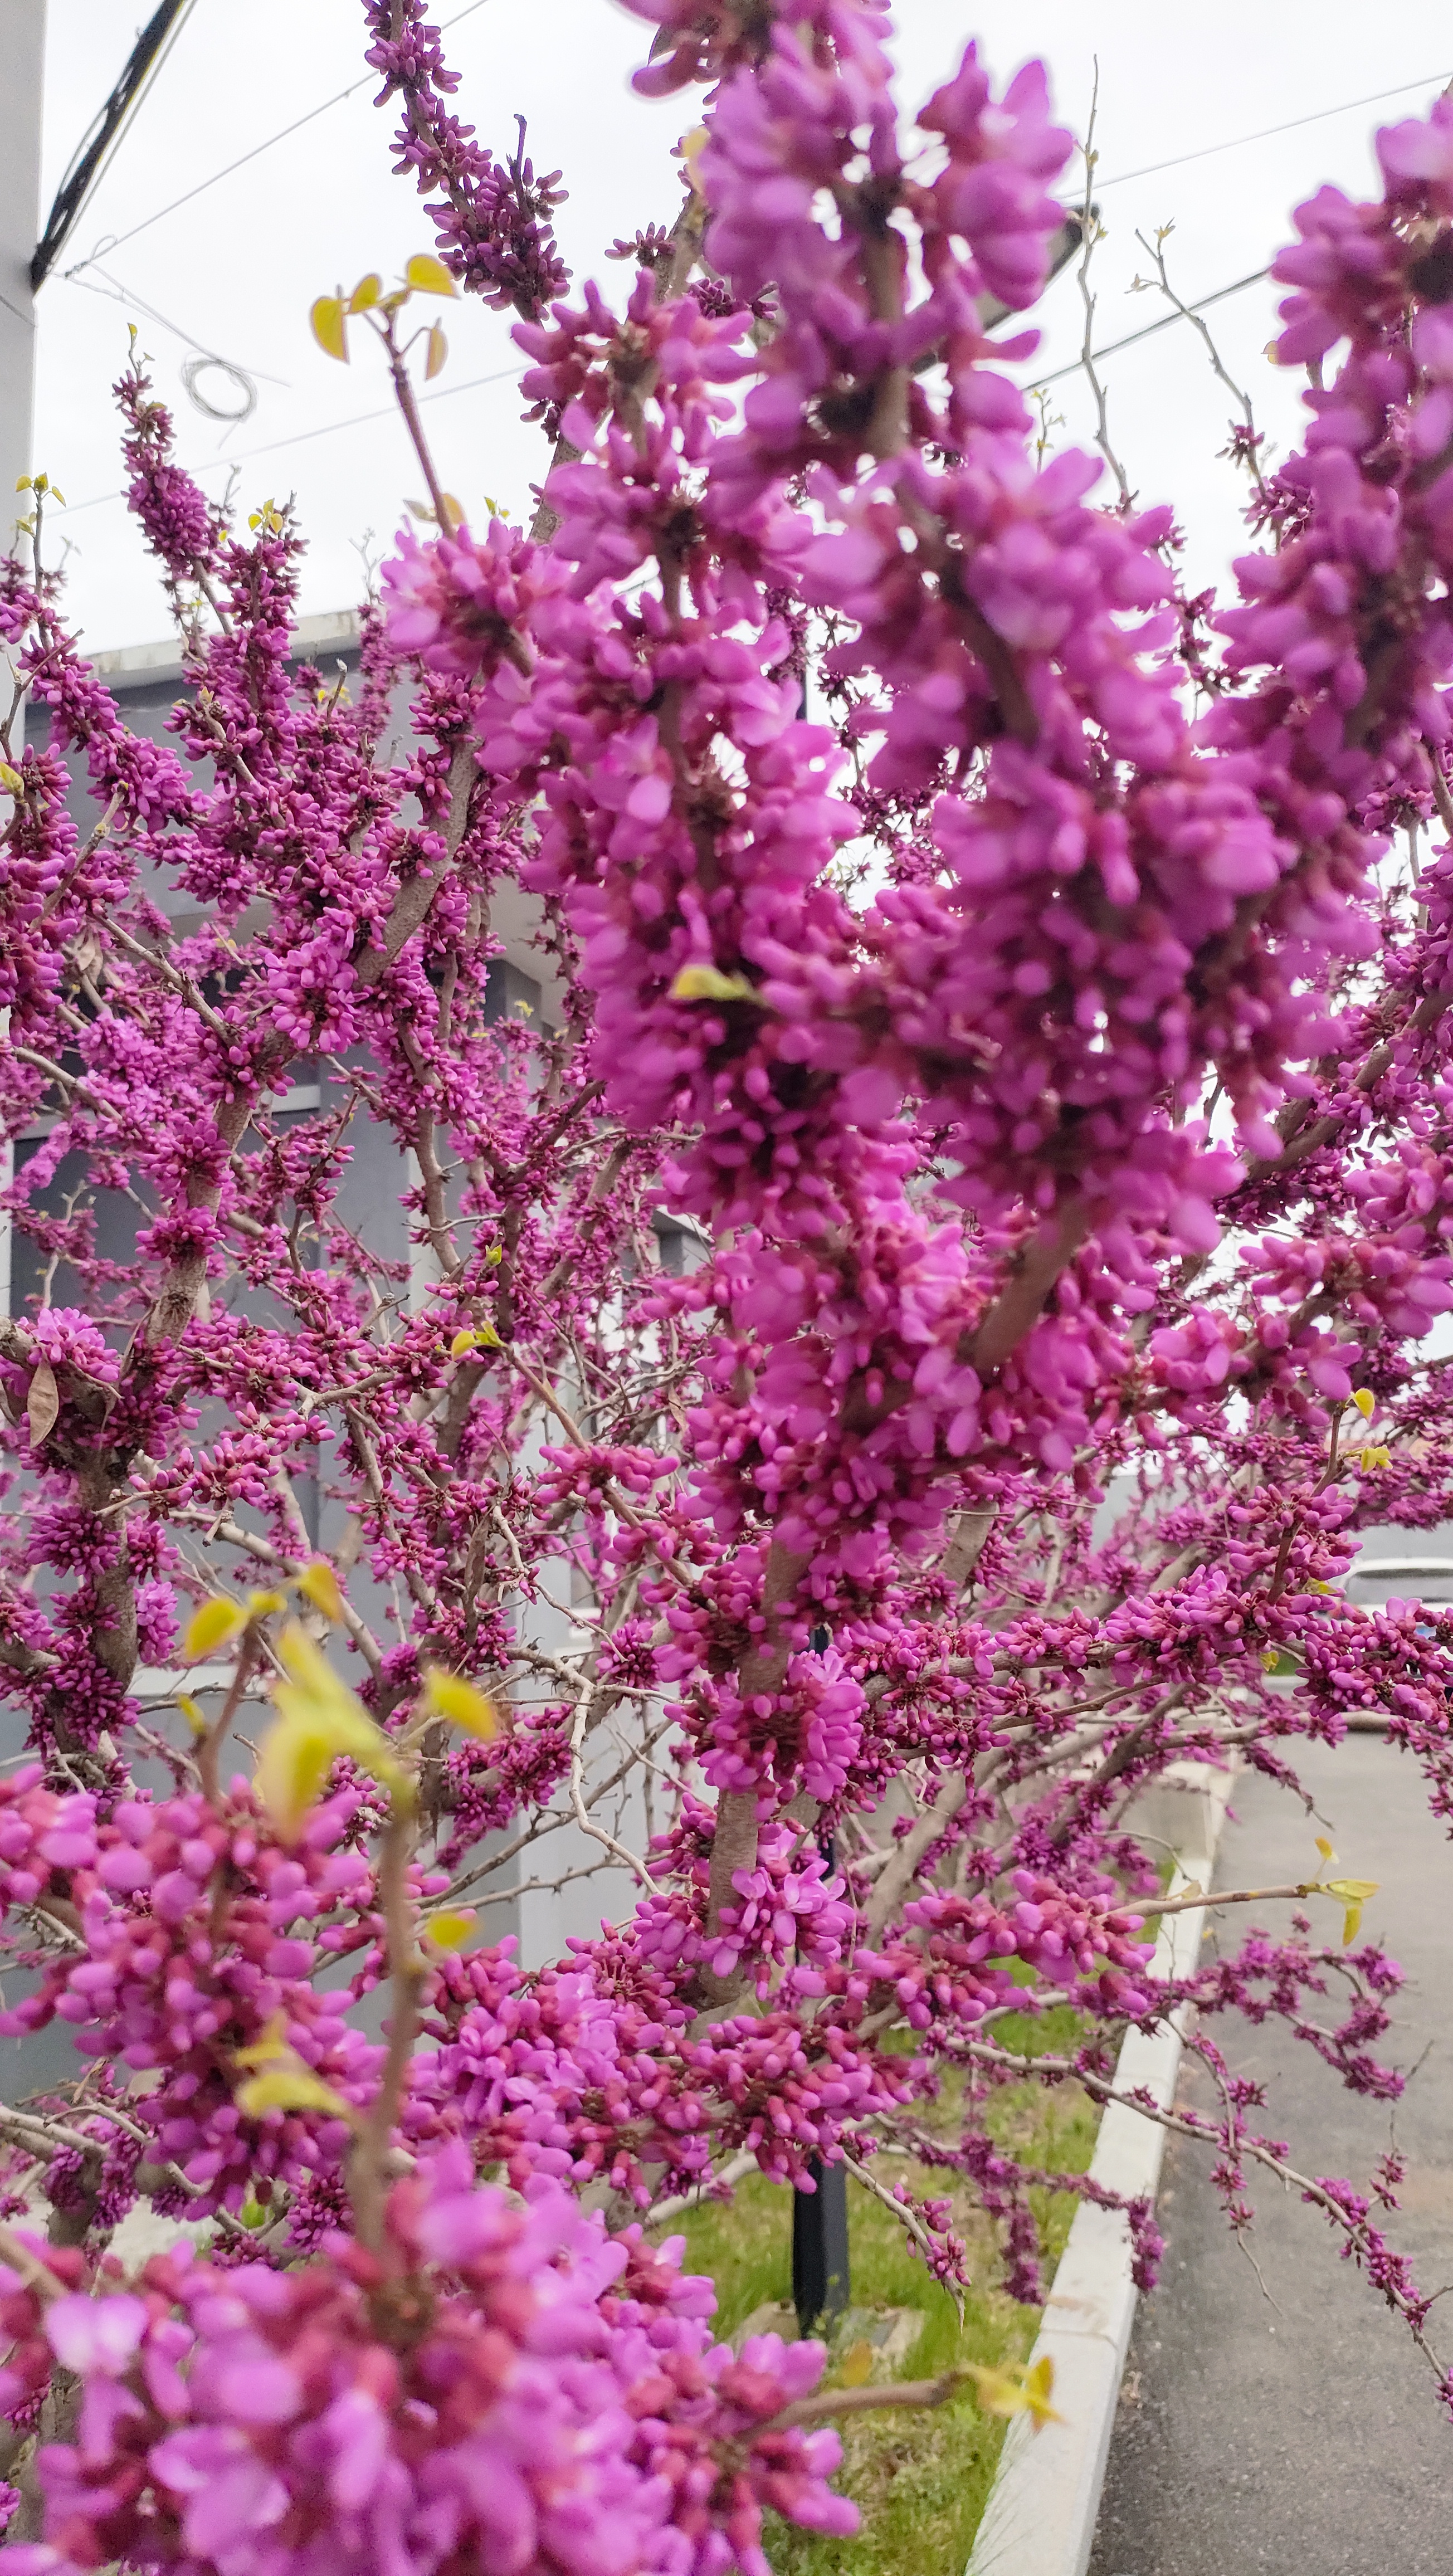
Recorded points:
(1045,1039)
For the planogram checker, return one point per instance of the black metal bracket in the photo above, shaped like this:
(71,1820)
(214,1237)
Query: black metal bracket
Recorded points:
(79,179)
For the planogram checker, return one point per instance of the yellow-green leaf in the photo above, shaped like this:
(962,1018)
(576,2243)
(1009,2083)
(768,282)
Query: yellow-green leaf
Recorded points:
(329,330)
(293,1764)
(290,2088)
(343,1729)
(429,275)
(450,1695)
(253,2215)
(261,1605)
(1017,2391)
(210,1626)
(998,2393)
(11,780)
(482,1338)
(319,1584)
(1038,2389)
(270,2046)
(857,2367)
(1365,1401)
(1351,1893)
(366,292)
(449,1931)
(1325,1848)
(308,1668)
(193,1715)
(438,353)
(691,148)
(709,984)
(319,1718)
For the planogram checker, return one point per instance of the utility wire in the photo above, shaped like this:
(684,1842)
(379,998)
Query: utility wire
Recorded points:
(142,64)
(1111,349)
(1264,133)
(1163,324)
(354,420)
(115,240)
(1121,179)
(116,292)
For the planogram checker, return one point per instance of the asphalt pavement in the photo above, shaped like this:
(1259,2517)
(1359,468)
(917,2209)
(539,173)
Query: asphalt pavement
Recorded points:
(1285,2425)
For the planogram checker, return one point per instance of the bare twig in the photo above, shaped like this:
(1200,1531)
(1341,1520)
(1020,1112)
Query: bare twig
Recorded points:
(1093,232)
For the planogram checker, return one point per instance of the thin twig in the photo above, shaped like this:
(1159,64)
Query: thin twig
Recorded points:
(1187,312)
(1093,231)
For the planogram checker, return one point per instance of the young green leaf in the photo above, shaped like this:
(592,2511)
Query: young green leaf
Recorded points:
(290,2088)
(212,1625)
(482,1338)
(329,329)
(319,1584)
(318,1719)
(429,275)
(1017,2391)
(709,984)
(450,1695)
(1351,1894)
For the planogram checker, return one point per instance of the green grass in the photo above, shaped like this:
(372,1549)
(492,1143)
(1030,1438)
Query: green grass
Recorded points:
(920,2480)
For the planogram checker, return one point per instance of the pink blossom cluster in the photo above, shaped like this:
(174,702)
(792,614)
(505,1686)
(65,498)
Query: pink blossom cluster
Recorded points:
(492,219)
(201,1932)
(1138,1177)
(499,2383)
(963,1966)
(959,1492)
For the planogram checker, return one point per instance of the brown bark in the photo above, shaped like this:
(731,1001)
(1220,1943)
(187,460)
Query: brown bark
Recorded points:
(966,1545)
(763,1668)
(416,894)
(175,1301)
(895,1881)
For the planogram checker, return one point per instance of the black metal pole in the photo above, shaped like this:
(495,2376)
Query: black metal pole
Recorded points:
(821,2277)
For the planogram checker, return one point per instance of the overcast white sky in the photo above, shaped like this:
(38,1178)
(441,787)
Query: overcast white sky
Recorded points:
(236,269)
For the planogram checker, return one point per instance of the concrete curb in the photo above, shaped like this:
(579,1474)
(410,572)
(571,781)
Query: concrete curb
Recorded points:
(1045,2500)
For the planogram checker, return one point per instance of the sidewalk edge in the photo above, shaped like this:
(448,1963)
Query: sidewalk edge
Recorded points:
(1045,2500)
